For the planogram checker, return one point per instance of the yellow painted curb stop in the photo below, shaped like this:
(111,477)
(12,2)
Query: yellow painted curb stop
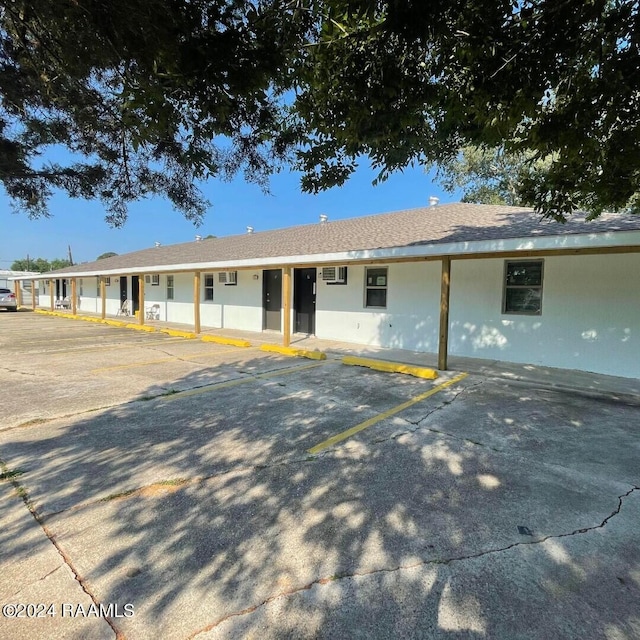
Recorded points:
(290,351)
(178,334)
(233,342)
(140,327)
(114,323)
(391,367)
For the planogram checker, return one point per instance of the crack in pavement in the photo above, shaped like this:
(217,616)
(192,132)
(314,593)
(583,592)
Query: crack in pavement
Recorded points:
(44,577)
(21,373)
(417,423)
(445,561)
(168,391)
(22,493)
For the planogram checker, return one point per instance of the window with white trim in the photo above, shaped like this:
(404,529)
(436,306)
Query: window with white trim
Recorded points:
(208,286)
(169,287)
(375,287)
(523,287)
(107,281)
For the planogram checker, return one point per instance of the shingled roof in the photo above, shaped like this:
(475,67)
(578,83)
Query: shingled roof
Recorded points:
(442,224)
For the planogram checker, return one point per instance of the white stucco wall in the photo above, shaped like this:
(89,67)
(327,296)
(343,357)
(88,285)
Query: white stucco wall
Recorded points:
(590,315)
(88,295)
(410,320)
(180,309)
(240,306)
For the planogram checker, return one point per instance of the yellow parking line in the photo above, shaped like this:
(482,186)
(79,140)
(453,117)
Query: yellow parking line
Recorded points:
(382,416)
(234,383)
(162,360)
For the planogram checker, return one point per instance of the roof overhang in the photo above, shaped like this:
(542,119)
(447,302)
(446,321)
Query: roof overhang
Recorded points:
(569,244)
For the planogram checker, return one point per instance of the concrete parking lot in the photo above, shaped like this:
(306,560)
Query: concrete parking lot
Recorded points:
(157,487)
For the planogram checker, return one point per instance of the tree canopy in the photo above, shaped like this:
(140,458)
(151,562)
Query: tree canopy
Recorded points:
(108,254)
(41,265)
(153,96)
(490,176)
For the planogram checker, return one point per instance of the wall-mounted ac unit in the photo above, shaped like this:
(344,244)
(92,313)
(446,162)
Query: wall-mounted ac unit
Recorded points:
(334,275)
(228,277)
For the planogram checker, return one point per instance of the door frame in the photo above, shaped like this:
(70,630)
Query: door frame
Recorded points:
(265,282)
(298,276)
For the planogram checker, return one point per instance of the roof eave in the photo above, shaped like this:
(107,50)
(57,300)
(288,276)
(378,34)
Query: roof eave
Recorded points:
(569,243)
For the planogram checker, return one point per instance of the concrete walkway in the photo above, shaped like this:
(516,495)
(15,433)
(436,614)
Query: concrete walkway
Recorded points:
(582,381)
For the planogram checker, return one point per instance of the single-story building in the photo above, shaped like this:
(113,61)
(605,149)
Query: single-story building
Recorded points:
(8,280)
(471,280)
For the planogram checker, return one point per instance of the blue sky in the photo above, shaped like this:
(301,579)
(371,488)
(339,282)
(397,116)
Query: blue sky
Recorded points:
(235,205)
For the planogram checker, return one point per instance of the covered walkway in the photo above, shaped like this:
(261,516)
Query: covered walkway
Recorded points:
(590,383)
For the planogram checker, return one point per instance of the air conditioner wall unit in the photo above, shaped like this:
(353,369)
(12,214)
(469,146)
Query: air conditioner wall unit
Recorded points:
(228,277)
(334,275)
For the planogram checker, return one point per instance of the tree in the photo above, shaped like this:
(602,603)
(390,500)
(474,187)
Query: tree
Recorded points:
(30,264)
(40,264)
(152,96)
(60,263)
(108,254)
(490,176)
(405,82)
(148,96)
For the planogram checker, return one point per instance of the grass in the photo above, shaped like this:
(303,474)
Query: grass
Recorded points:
(10,474)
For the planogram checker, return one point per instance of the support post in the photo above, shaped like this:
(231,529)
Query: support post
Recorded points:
(196,301)
(445,286)
(18,292)
(286,297)
(34,291)
(103,298)
(74,296)
(51,293)
(141,298)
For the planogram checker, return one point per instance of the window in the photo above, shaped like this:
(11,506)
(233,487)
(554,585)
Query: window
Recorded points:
(375,287)
(169,287)
(208,286)
(107,281)
(81,285)
(153,280)
(523,287)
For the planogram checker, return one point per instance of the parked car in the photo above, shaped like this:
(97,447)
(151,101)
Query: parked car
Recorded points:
(8,300)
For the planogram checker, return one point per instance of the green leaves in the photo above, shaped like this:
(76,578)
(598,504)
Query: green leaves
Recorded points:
(555,82)
(152,96)
(148,97)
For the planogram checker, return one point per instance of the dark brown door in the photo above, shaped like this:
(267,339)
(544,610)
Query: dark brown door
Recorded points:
(304,300)
(123,289)
(272,298)
(135,294)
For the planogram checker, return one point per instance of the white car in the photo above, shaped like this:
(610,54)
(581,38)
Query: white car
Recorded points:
(8,300)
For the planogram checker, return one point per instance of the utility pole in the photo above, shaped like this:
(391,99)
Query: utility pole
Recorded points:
(70,256)
(28,263)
